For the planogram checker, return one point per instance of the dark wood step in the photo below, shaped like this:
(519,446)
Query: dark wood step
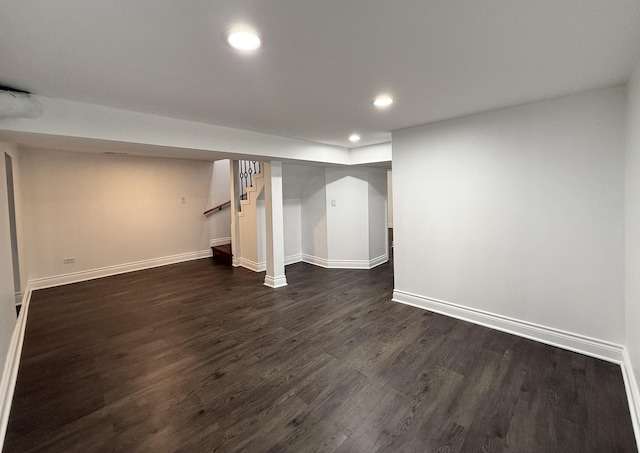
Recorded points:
(222,254)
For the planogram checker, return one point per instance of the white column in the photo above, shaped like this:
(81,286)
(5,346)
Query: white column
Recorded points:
(235,201)
(275,277)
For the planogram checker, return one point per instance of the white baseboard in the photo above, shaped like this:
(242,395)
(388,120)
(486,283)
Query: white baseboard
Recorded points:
(252,265)
(74,277)
(275,282)
(567,340)
(291,259)
(315,260)
(378,261)
(220,241)
(11,365)
(345,264)
(348,264)
(633,394)
(262,266)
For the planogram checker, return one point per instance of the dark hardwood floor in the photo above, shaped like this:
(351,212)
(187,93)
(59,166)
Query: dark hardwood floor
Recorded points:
(199,357)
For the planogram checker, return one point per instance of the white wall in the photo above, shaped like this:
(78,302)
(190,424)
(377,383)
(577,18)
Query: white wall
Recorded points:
(71,124)
(314,215)
(380,152)
(105,210)
(292,217)
(253,236)
(377,205)
(389,199)
(295,180)
(348,220)
(13,151)
(518,212)
(251,242)
(350,234)
(261,231)
(7,298)
(632,179)
(220,221)
(343,211)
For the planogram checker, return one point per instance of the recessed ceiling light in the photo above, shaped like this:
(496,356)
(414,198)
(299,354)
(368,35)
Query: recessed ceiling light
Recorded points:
(383,101)
(354,138)
(242,38)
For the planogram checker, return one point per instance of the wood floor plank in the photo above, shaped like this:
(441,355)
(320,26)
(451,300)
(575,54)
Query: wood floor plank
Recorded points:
(200,357)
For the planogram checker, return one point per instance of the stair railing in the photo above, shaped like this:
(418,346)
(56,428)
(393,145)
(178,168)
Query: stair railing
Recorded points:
(248,168)
(220,207)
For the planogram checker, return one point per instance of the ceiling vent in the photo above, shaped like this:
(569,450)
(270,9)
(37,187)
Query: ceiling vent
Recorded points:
(16,103)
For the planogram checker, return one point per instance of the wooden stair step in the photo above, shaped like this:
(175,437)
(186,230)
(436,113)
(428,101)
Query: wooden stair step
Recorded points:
(222,254)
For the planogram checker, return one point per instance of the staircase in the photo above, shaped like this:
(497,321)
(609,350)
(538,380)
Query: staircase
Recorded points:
(222,254)
(250,181)
(251,194)
(250,170)
(250,245)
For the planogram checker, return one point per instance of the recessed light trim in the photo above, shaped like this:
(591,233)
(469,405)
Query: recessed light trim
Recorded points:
(353,138)
(243,39)
(383,101)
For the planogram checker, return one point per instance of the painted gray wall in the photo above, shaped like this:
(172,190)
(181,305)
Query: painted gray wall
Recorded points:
(518,212)
(633,223)
(347,214)
(7,294)
(314,214)
(106,210)
(378,222)
(219,192)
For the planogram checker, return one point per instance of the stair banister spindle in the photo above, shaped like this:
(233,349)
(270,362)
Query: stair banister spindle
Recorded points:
(247,170)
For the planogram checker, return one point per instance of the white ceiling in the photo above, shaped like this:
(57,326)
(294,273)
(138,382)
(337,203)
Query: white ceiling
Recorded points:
(322,61)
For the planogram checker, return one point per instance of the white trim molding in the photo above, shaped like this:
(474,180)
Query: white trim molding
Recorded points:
(220,241)
(275,282)
(291,259)
(251,265)
(11,365)
(315,260)
(262,266)
(74,277)
(633,393)
(582,344)
(349,264)
(345,264)
(378,261)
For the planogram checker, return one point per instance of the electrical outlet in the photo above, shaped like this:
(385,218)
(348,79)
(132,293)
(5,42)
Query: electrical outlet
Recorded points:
(68,260)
